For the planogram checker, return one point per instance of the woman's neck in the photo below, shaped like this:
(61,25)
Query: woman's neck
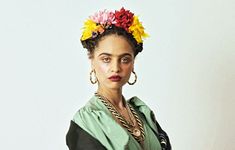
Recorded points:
(114,96)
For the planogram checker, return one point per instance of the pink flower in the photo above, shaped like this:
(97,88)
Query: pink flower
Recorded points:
(103,17)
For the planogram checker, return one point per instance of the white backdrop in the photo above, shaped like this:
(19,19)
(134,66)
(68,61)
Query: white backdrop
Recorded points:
(186,72)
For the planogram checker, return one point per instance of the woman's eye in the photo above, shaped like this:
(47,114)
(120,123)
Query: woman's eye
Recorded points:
(125,60)
(106,59)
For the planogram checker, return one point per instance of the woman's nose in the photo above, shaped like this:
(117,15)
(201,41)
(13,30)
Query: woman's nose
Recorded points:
(115,67)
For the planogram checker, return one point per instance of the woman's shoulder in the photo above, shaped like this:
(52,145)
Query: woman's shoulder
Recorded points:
(93,112)
(91,105)
(90,109)
(95,119)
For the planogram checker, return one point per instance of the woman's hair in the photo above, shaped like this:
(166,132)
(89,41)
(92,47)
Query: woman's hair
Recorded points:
(92,43)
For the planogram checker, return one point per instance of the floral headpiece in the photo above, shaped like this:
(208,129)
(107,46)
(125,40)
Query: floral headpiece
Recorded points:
(103,20)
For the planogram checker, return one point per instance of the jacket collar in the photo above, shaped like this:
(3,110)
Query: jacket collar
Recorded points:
(140,106)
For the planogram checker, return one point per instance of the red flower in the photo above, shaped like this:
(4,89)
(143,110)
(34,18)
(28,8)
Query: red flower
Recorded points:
(124,18)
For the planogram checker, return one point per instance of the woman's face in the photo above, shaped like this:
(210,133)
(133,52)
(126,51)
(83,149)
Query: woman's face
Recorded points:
(113,61)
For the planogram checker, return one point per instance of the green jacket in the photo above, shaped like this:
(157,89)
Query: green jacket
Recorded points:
(97,122)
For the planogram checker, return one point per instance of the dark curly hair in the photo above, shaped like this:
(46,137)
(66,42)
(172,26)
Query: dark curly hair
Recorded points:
(91,43)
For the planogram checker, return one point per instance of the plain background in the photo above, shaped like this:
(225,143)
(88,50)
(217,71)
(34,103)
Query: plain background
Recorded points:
(186,72)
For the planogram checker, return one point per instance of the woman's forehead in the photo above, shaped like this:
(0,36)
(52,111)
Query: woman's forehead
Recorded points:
(113,52)
(114,45)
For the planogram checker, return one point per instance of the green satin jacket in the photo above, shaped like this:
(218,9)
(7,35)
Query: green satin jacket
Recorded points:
(97,121)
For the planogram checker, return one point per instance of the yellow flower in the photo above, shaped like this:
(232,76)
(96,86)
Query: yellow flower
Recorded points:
(137,30)
(89,27)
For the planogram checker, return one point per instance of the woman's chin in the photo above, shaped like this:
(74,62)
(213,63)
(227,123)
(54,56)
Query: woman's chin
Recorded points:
(115,85)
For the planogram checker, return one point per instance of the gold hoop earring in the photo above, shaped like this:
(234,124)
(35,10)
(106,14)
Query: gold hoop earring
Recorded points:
(91,79)
(134,80)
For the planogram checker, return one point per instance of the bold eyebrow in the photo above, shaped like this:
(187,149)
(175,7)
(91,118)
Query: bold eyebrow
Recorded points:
(108,54)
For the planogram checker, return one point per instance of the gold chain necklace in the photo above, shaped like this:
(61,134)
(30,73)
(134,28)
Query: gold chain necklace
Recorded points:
(137,133)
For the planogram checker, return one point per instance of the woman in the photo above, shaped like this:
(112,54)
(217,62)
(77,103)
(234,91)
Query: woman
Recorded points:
(108,120)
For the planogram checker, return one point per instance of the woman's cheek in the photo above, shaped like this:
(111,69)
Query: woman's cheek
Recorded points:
(103,67)
(128,67)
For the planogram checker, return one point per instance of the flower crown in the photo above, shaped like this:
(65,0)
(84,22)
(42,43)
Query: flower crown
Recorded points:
(103,20)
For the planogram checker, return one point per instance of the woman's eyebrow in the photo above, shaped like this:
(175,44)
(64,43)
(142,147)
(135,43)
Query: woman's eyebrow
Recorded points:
(125,54)
(105,54)
(108,54)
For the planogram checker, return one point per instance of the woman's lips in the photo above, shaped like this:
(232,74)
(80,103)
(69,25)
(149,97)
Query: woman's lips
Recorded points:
(115,78)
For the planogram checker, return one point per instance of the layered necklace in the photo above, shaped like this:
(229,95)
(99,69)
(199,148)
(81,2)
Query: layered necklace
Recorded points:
(136,130)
